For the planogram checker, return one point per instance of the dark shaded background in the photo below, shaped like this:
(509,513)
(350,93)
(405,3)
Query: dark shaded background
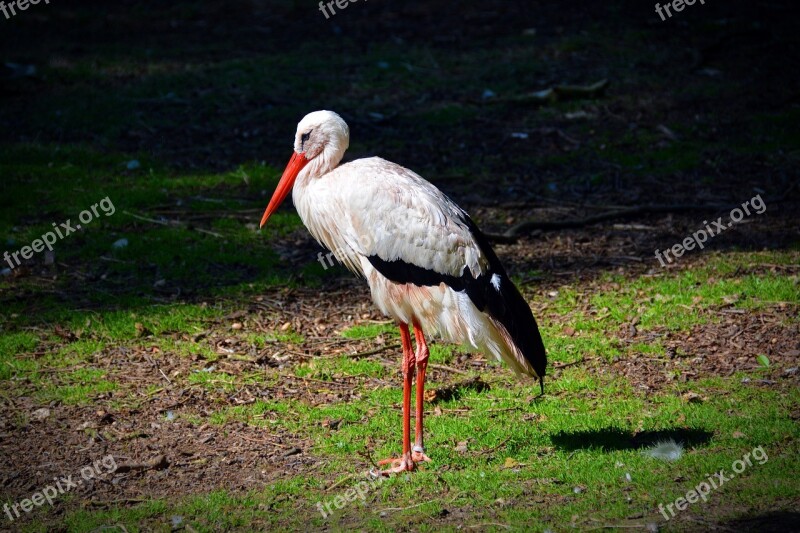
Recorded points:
(212,84)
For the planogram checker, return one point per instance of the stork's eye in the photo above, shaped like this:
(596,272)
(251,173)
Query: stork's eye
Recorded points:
(303,138)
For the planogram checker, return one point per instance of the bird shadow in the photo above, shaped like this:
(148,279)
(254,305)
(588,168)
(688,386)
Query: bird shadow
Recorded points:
(614,438)
(771,522)
(456,390)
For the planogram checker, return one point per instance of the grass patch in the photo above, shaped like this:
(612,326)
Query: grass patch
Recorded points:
(78,387)
(369,331)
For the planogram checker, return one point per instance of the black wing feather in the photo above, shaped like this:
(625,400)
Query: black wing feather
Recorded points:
(507,305)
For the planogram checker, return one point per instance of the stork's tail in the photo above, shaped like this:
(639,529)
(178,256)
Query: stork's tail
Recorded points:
(511,315)
(498,298)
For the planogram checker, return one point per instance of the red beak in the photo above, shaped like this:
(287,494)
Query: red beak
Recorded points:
(296,164)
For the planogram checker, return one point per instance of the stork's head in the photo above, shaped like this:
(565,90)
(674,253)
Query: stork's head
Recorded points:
(319,143)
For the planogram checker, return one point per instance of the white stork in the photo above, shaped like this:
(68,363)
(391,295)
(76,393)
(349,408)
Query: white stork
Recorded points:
(426,262)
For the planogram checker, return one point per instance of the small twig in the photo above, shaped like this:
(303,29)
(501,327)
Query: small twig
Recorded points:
(523,228)
(113,503)
(136,434)
(401,508)
(173,223)
(565,365)
(501,409)
(160,461)
(158,368)
(332,383)
(554,94)
(345,478)
(238,357)
(437,366)
(622,526)
(358,355)
(490,450)
(368,456)
(153,220)
(165,376)
(265,441)
(207,232)
(114,260)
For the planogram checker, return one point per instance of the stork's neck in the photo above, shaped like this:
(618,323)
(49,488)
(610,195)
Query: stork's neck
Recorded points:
(325,162)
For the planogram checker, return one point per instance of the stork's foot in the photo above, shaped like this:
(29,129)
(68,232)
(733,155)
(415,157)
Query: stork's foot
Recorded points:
(404,463)
(418,455)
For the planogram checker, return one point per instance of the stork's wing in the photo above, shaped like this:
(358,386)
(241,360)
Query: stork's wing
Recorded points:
(407,228)
(411,232)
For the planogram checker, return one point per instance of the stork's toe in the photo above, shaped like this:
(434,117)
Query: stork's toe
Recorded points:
(405,463)
(420,457)
(418,454)
(391,461)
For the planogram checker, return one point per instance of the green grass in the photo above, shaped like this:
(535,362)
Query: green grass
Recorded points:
(341,366)
(579,455)
(679,301)
(78,387)
(369,331)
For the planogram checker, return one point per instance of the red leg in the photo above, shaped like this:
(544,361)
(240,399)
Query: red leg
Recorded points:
(404,462)
(418,452)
